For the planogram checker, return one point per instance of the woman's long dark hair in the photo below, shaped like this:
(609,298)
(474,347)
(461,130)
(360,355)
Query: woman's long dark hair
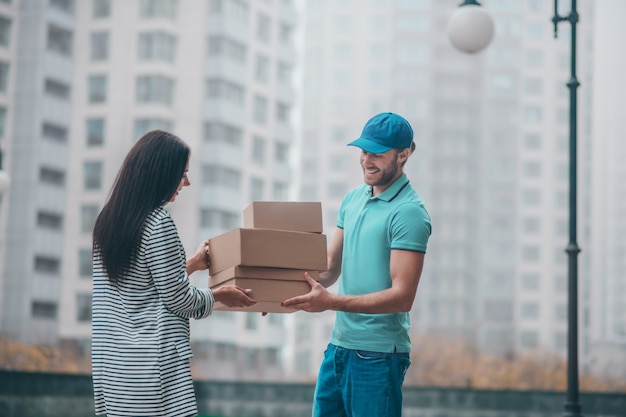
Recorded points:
(148,178)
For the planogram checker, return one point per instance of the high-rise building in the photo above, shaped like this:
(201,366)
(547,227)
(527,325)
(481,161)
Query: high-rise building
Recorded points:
(491,162)
(607,284)
(92,77)
(41,36)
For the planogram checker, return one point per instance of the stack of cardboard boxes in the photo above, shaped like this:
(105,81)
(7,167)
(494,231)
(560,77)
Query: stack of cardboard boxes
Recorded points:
(278,242)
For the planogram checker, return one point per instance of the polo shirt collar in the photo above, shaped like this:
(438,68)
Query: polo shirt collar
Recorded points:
(393,190)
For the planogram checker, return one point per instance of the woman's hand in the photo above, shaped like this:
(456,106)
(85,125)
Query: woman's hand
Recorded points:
(233,296)
(199,261)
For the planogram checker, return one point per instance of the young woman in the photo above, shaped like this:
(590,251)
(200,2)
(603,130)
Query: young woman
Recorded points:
(142,298)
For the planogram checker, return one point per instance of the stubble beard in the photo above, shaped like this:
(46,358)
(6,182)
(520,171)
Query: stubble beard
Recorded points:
(387,174)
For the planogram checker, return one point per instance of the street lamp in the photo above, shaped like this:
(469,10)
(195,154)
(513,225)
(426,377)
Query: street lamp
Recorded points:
(572,403)
(466,34)
(470,28)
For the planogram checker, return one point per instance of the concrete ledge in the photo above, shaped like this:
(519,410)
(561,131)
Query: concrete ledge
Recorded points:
(36,394)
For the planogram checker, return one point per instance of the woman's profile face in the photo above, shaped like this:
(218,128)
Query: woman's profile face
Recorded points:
(184,182)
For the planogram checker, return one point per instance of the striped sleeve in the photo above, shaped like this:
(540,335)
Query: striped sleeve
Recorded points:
(166,260)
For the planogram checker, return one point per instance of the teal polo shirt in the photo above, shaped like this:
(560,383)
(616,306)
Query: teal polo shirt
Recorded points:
(372,227)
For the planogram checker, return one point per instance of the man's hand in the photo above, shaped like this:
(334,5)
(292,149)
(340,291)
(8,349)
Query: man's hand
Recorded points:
(315,301)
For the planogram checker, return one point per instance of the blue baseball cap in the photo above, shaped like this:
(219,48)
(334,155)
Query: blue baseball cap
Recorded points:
(383,132)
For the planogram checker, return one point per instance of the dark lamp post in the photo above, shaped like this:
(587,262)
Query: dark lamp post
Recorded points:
(572,402)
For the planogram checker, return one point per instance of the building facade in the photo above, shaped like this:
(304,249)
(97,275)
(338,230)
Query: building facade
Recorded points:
(491,161)
(92,77)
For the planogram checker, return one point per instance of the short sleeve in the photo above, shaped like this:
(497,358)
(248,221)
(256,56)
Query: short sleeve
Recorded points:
(410,227)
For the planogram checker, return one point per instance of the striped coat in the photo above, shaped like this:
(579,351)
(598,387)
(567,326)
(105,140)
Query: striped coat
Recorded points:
(140,329)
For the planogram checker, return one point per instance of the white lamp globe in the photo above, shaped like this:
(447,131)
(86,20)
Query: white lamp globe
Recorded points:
(470,28)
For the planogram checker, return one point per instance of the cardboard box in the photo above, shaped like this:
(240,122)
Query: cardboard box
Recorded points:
(268,289)
(261,307)
(260,273)
(270,286)
(268,248)
(284,215)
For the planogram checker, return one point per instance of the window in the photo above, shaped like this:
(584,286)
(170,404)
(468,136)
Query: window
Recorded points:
(158,8)
(257,186)
(281,152)
(530,253)
(412,22)
(43,309)
(47,264)
(100,46)
(498,311)
(412,53)
(51,176)
(535,6)
(48,220)
(5,31)
(262,68)
(95,132)
(4,76)
(263,27)
(54,132)
(534,31)
(57,89)
(532,114)
(531,197)
(283,112)
(530,310)
(225,90)
(88,215)
(530,281)
(284,73)
(260,110)
(534,58)
(64,5)
(222,176)
(252,324)
(272,355)
(221,46)
(532,141)
(285,33)
(145,125)
(59,40)
(156,46)
(280,191)
(219,132)
(97,89)
(532,169)
(258,150)
(560,340)
(529,339)
(222,219)
(155,89)
(502,84)
(83,307)
(3,120)
(85,263)
(532,225)
(101,9)
(342,51)
(92,175)
(533,86)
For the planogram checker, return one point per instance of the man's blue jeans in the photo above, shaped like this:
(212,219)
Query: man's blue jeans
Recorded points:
(358,383)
